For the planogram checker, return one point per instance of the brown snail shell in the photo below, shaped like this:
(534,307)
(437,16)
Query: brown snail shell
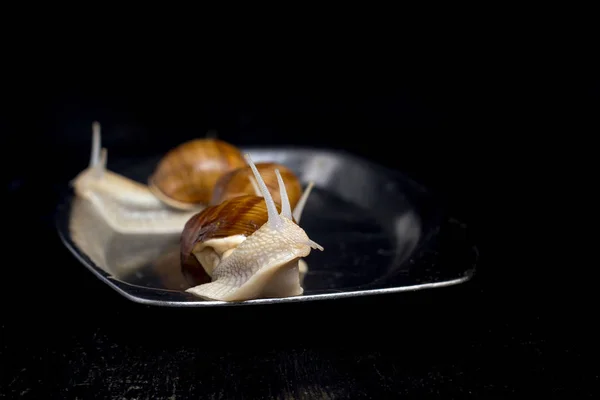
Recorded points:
(239,182)
(241,215)
(184,178)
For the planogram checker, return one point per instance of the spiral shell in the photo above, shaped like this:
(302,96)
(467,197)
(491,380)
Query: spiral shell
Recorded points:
(238,183)
(185,177)
(209,234)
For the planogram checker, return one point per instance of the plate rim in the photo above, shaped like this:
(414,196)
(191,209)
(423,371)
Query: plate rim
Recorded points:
(115,285)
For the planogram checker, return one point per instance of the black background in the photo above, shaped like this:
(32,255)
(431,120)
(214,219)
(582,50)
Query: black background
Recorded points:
(458,127)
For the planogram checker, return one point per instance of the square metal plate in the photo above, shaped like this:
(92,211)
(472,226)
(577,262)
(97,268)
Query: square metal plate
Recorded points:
(381,231)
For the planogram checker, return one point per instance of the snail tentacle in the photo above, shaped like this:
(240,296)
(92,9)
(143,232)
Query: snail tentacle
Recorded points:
(302,202)
(274,220)
(98,154)
(95,154)
(286,209)
(100,166)
(255,186)
(314,245)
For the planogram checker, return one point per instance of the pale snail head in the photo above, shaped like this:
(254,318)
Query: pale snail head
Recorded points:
(126,205)
(263,264)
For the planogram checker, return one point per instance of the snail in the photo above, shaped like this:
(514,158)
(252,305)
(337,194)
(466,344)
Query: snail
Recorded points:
(241,181)
(126,205)
(247,247)
(184,178)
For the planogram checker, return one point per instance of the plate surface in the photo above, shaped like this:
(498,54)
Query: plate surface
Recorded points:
(381,232)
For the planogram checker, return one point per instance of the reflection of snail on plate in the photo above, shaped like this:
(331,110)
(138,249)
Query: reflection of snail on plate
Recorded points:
(89,231)
(120,255)
(167,269)
(239,239)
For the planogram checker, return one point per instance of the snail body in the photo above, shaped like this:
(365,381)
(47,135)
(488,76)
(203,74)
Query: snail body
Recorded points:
(241,182)
(247,247)
(126,205)
(184,178)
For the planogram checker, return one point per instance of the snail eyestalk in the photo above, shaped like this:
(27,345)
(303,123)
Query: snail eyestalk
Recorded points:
(100,166)
(286,210)
(302,202)
(255,186)
(95,156)
(274,220)
(314,245)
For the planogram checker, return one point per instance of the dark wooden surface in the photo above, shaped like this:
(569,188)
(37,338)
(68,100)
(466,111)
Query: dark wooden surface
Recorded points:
(67,335)
(64,334)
